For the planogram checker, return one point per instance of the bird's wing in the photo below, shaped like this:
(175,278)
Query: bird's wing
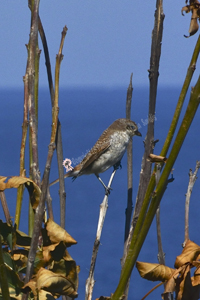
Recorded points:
(94,154)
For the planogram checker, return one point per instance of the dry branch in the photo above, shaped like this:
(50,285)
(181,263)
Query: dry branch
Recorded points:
(102,214)
(40,209)
(192,179)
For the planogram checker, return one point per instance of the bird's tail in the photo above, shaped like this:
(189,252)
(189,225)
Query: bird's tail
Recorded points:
(69,174)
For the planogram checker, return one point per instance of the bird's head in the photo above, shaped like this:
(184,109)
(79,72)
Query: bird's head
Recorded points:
(132,129)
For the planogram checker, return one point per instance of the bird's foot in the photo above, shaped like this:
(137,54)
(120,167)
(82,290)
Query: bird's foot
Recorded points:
(117,165)
(74,177)
(107,190)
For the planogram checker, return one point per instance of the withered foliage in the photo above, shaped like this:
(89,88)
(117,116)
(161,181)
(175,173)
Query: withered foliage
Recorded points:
(194,8)
(55,272)
(178,280)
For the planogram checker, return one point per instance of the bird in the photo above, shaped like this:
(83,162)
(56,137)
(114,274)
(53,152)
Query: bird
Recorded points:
(107,152)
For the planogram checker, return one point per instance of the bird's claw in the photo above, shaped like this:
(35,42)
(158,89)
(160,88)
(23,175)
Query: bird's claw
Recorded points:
(107,189)
(117,165)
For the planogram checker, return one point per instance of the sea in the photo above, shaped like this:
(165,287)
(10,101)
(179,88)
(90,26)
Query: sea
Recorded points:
(84,114)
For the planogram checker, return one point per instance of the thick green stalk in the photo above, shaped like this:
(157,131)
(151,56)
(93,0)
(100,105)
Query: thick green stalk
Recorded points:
(170,135)
(181,99)
(138,240)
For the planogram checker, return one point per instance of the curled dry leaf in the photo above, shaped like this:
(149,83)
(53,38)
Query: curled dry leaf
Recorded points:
(196,278)
(184,289)
(57,234)
(16,181)
(67,269)
(157,158)
(154,272)
(189,254)
(194,7)
(44,295)
(55,283)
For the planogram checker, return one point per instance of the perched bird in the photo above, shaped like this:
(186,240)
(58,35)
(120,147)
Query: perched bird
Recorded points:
(107,152)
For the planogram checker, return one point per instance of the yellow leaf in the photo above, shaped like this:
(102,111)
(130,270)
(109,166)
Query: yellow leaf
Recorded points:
(154,272)
(55,283)
(189,254)
(57,234)
(16,181)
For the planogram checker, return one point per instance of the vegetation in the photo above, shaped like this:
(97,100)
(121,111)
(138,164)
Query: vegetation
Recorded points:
(38,265)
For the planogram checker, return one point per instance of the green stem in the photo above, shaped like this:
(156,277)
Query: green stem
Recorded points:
(152,182)
(138,240)
(181,99)
(3,276)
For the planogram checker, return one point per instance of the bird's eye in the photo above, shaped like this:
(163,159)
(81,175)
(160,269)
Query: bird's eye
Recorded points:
(130,127)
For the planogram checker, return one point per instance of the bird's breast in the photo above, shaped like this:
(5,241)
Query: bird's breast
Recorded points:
(118,145)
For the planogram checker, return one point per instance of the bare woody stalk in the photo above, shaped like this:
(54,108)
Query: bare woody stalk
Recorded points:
(32,51)
(102,214)
(59,148)
(142,227)
(5,208)
(40,209)
(149,143)
(192,179)
(129,164)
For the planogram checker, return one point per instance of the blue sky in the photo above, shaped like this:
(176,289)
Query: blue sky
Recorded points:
(106,41)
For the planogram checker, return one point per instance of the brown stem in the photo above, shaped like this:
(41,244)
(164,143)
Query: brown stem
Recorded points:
(129,164)
(59,148)
(40,209)
(5,207)
(32,47)
(145,173)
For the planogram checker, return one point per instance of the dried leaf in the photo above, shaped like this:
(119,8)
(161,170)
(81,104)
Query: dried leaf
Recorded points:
(57,234)
(184,289)
(194,7)
(189,254)
(55,283)
(16,181)
(196,278)
(157,158)
(67,269)
(154,272)
(44,295)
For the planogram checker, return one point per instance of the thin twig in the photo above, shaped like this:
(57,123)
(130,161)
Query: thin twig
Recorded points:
(145,173)
(102,214)
(59,148)
(192,179)
(129,165)
(5,207)
(20,189)
(161,254)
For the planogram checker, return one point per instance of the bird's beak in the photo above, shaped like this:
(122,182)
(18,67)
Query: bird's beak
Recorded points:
(137,133)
